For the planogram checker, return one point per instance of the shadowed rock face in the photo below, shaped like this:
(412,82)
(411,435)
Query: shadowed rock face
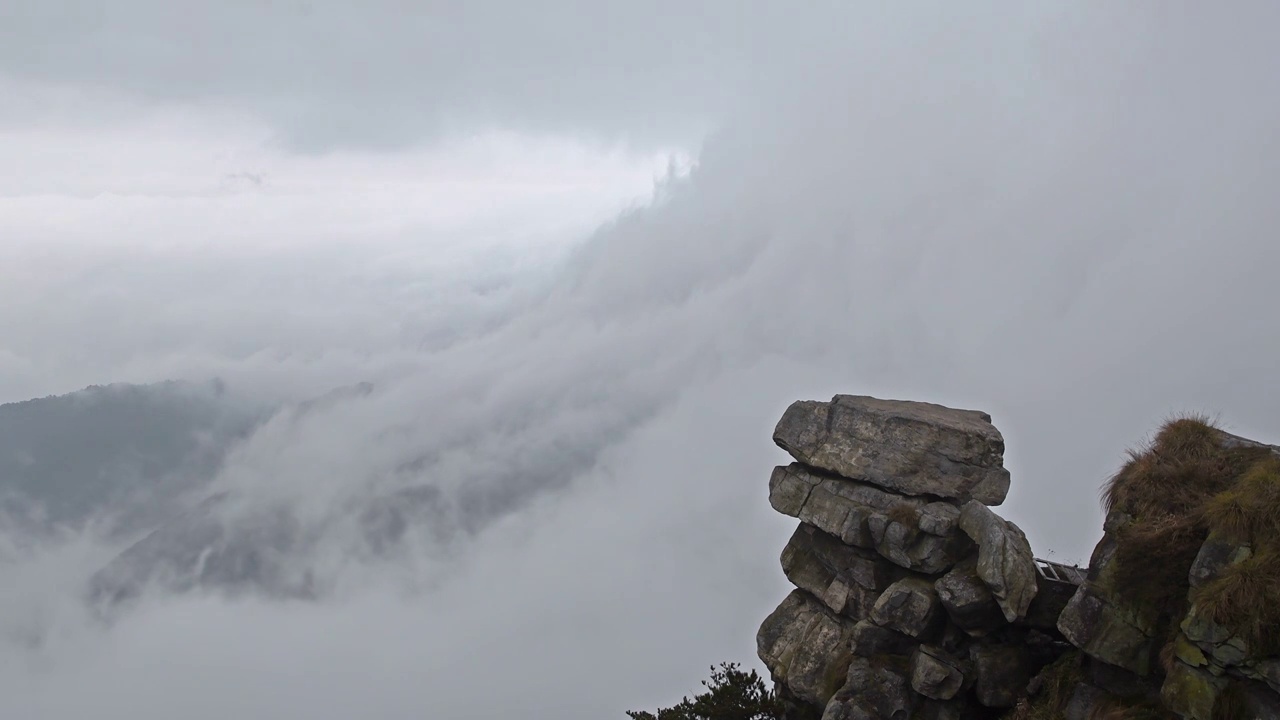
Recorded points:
(909,606)
(968,601)
(935,673)
(846,579)
(911,448)
(873,689)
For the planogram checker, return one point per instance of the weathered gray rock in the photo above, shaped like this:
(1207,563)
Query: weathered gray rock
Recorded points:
(939,518)
(845,578)
(1216,554)
(789,490)
(935,673)
(1005,562)
(1191,693)
(866,516)
(1107,631)
(1001,674)
(868,640)
(911,448)
(932,555)
(909,606)
(806,647)
(835,505)
(873,690)
(1202,630)
(968,601)
(907,546)
(1106,627)
(1221,647)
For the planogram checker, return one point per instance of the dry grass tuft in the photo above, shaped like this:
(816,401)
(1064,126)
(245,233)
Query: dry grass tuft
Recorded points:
(1178,471)
(1249,512)
(1153,556)
(904,514)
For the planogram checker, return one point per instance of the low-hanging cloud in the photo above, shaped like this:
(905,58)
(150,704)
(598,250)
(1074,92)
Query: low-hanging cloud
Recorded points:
(1061,217)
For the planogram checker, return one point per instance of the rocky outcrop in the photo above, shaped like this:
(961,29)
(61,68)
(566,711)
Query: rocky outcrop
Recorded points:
(919,594)
(1170,652)
(916,601)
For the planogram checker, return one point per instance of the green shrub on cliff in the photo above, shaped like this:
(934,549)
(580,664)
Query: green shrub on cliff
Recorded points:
(731,695)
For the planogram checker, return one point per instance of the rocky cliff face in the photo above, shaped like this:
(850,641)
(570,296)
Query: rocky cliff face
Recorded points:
(1179,610)
(915,600)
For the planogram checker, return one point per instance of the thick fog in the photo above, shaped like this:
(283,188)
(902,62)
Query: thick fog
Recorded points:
(584,258)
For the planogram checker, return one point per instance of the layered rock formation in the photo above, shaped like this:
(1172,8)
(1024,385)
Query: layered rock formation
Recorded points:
(913,598)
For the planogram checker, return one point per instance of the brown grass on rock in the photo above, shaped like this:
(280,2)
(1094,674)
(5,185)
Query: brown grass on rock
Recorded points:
(904,514)
(1183,484)
(1249,512)
(1181,469)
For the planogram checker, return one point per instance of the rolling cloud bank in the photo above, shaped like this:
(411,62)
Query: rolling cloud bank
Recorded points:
(477,344)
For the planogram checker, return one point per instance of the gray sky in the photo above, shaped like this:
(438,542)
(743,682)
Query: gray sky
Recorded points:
(1059,214)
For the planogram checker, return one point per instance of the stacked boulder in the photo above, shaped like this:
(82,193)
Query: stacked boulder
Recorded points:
(913,598)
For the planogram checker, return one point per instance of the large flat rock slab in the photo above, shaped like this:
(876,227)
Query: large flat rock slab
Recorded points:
(912,448)
(900,528)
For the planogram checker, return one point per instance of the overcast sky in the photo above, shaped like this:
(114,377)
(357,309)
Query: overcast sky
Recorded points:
(587,253)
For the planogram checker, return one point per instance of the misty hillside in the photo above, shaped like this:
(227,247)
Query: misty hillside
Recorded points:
(211,543)
(128,450)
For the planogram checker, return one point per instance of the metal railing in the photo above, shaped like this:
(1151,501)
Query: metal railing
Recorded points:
(1058,572)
